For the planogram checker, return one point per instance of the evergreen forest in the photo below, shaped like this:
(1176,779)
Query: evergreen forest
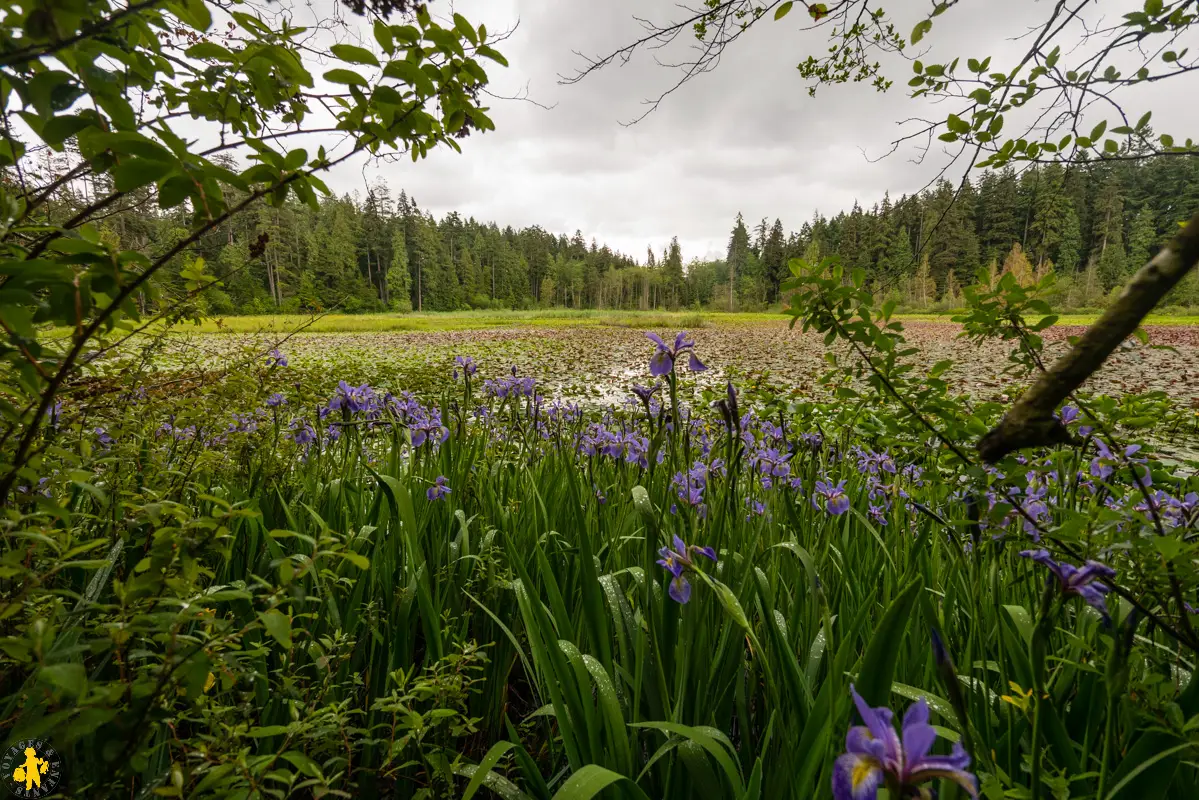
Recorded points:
(1093,225)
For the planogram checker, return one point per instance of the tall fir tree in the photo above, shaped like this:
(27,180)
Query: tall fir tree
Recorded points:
(737,260)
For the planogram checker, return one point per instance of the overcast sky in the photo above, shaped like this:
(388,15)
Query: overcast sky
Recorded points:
(746,137)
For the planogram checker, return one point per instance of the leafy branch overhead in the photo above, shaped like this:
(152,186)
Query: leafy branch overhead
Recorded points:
(147,100)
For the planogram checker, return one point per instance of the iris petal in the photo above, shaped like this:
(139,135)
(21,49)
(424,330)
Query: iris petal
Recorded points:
(918,735)
(878,720)
(680,590)
(661,364)
(680,546)
(695,364)
(856,777)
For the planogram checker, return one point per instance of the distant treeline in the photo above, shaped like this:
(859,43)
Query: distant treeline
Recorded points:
(1093,225)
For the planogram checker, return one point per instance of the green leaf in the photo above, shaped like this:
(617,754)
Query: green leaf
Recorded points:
(268,730)
(209,50)
(295,159)
(357,559)
(494,55)
(137,172)
(589,781)
(384,36)
(493,756)
(194,12)
(354,55)
(303,763)
(922,27)
(463,26)
(783,10)
(278,625)
(412,75)
(706,738)
(346,76)
(60,128)
(877,670)
(71,678)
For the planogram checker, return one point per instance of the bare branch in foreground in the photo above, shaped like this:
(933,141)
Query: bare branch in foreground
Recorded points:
(1030,422)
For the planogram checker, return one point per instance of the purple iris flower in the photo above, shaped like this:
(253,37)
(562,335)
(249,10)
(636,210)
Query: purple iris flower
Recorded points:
(1104,464)
(663,361)
(352,398)
(41,488)
(756,507)
(690,486)
(276,359)
(1083,582)
(103,438)
(276,400)
(54,414)
(425,425)
(1067,415)
(1189,508)
(814,441)
(302,432)
(836,502)
(646,393)
(243,423)
(677,562)
(771,462)
(510,387)
(467,364)
(876,756)
(438,490)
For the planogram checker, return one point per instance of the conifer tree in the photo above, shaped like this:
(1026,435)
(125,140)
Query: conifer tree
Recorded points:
(737,260)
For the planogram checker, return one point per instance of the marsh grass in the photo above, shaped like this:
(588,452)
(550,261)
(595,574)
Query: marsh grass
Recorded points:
(346,633)
(554,318)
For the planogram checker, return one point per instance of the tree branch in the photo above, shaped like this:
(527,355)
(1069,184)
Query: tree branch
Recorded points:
(1030,423)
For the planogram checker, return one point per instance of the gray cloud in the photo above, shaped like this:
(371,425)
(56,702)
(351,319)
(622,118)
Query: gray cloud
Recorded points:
(744,138)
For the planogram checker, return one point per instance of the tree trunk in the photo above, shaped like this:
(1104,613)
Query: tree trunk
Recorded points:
(1030,422)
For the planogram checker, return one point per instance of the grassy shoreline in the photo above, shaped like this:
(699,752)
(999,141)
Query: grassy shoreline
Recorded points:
(555,318)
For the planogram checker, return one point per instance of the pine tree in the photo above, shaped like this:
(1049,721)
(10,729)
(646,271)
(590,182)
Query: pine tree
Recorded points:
(899,257)
(1141,238)
(1069,249)
(999,221)
(953,244)
(737,259)
(426,261)
(672,274)
(399,280)
(1048,214)
(1108,247)
(774,261)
